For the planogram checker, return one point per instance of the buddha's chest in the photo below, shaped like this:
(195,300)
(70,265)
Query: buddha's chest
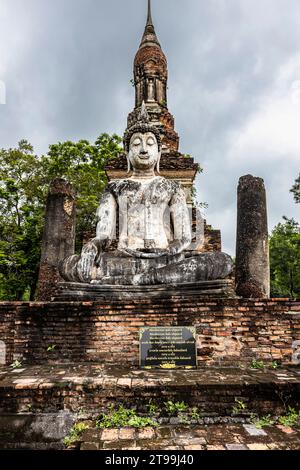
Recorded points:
(149,196)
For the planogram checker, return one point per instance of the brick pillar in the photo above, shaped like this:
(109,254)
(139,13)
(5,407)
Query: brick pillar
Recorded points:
(252,244)
(58,238)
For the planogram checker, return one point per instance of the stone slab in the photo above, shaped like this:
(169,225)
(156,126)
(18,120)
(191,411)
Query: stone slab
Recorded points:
(254,431)
(72,291)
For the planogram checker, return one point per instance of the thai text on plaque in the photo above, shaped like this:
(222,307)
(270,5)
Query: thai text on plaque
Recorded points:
(171,347)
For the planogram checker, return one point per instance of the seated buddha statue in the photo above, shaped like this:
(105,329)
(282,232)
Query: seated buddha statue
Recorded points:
(154,227)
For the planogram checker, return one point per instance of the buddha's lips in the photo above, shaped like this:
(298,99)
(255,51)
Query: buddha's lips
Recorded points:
(144,157)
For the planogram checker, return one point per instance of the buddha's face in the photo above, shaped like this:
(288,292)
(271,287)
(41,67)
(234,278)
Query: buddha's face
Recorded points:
(143,151)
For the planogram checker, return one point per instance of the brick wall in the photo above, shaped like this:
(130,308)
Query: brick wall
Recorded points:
(229,331)
(7,330)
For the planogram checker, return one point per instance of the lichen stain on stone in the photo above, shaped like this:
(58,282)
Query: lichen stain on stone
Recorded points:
(69,206)
(2,353)
(220,346)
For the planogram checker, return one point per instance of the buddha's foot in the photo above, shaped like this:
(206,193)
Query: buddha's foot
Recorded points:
(203,267)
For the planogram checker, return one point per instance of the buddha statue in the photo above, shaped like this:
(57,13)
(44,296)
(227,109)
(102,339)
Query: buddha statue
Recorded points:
(154,226)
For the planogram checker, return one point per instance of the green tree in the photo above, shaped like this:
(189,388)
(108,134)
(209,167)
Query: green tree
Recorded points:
(24,182)
(21,196)
(285,259)
(296,190)
(82,164)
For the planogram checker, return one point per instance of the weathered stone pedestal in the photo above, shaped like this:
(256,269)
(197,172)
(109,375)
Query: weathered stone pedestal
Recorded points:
(72,291)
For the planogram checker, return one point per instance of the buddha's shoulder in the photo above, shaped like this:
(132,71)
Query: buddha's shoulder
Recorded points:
(118,186)
(168,184)
(159,183)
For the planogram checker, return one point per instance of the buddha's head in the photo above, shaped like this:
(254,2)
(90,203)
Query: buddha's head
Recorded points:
(144,153)
(142,144)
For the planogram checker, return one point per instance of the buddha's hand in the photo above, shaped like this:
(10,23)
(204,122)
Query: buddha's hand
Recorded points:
(89,257)
(101,245)
(145,253)
(178,246)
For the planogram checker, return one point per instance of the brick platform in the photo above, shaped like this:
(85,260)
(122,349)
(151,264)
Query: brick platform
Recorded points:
(229,331)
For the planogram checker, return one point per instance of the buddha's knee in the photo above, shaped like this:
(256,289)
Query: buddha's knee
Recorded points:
(68,268)
(215,265)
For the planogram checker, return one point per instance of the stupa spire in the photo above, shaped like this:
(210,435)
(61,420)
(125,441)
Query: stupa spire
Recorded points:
(149,37)
(150,82)
(149,19)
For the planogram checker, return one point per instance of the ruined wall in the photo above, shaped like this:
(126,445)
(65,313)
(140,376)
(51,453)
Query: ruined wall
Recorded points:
(229,331)
(212,239)
(7,327)
(58,237)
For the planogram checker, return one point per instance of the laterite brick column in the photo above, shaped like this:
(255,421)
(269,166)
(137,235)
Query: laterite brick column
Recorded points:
(252,244)
(58,237)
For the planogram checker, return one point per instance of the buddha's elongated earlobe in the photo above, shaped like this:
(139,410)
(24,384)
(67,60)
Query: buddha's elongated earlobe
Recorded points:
(158,163)
(128,165)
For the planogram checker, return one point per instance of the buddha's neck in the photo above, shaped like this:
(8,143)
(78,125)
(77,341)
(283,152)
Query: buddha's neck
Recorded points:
(143,174)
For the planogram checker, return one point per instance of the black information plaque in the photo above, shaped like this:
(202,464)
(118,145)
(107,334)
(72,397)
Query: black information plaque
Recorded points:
(171,347)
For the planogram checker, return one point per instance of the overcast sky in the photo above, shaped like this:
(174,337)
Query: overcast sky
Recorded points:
(234,85)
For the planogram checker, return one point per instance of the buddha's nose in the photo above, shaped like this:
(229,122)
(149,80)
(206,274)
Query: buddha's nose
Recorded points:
(143,149)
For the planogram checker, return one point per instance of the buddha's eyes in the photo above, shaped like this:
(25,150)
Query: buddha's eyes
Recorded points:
(137,142)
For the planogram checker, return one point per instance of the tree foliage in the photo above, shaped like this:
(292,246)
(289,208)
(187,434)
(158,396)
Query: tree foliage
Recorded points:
(296,190)
(21,197)
(24,183)
(82,164)
(285,259)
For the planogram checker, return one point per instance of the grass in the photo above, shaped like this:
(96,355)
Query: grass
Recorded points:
(239,407)
(262,422)
(16,365)
(261,365)
(75,434)
(174,408)
(291,418)
(123,417)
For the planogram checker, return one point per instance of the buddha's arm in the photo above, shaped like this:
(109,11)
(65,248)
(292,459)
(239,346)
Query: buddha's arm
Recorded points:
(106,219)
(181,223)
(106,215)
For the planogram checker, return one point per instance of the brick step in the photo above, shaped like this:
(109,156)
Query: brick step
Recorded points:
(92,387)
(213,437)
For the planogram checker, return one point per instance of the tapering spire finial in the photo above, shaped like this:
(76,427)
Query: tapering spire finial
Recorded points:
(149,19)
(149,37)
